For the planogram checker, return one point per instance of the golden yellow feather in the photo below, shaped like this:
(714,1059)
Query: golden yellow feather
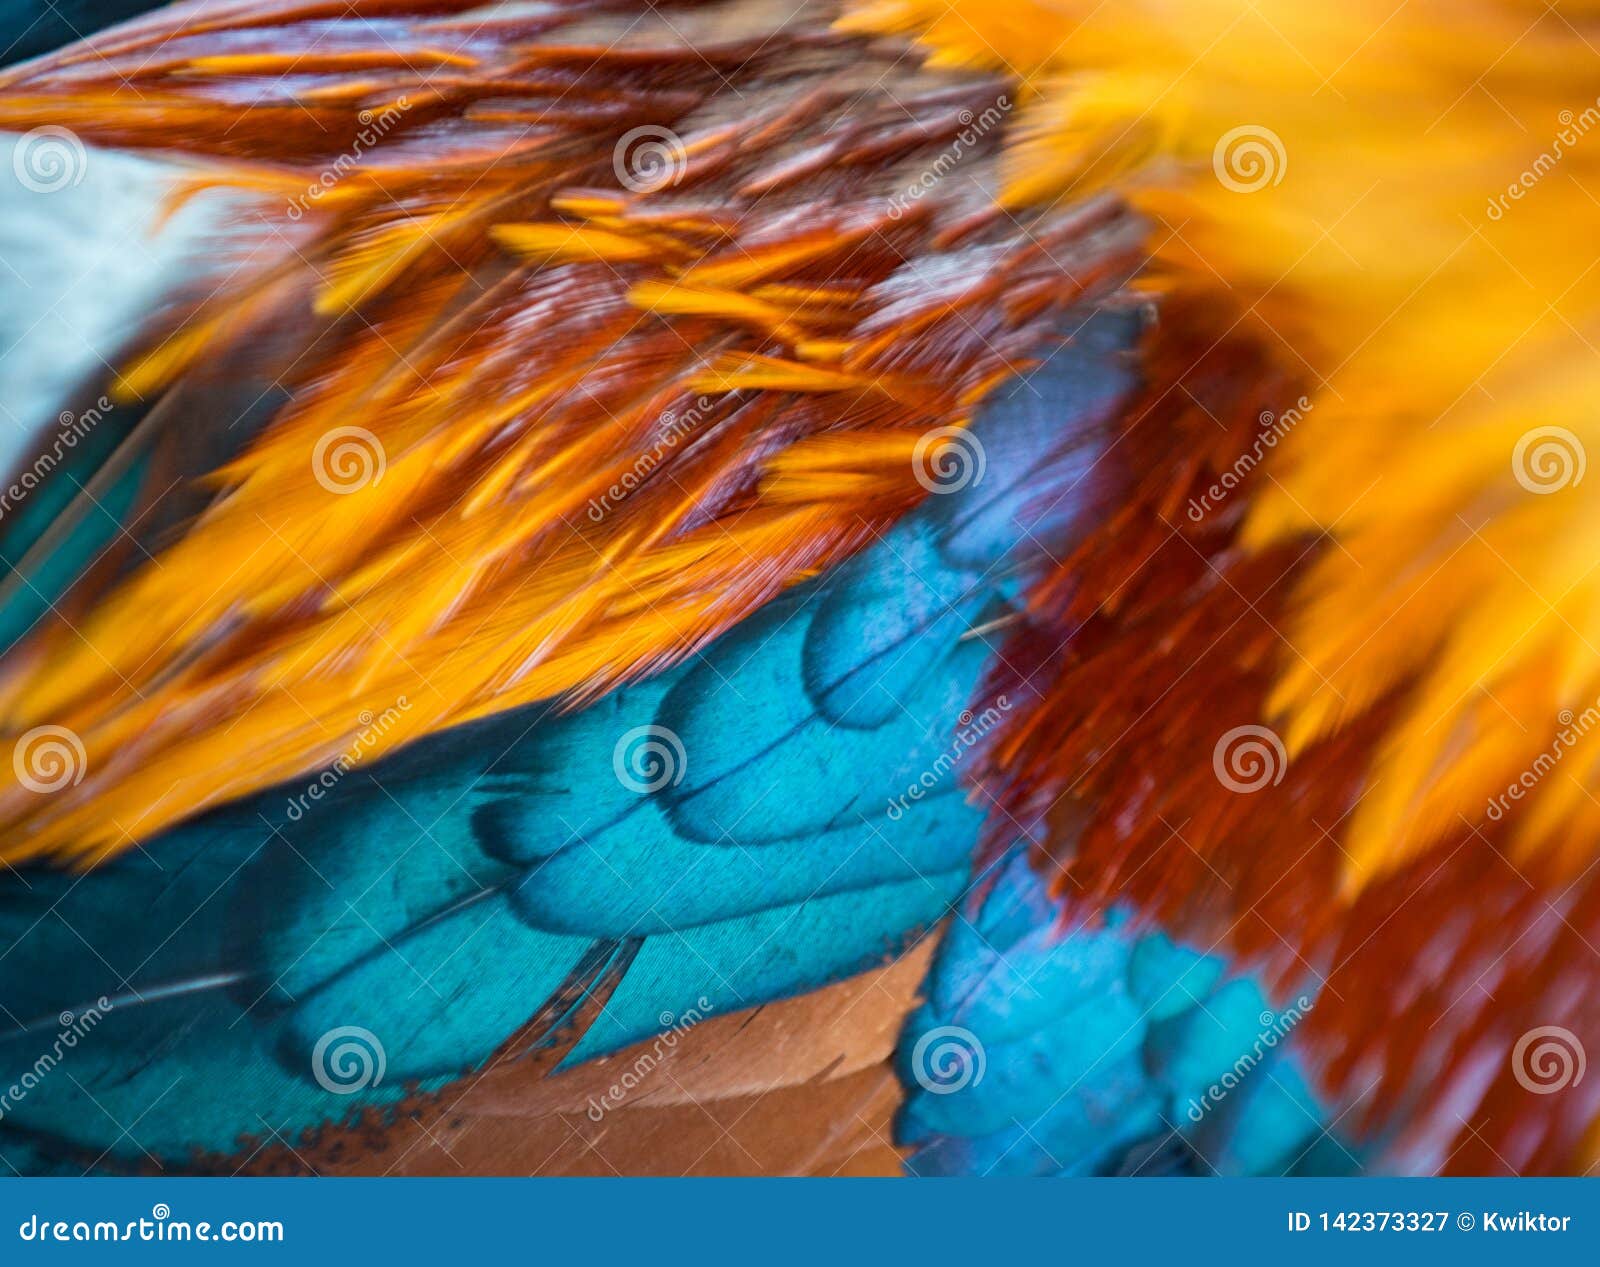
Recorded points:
(1391,208)
(1404,202)
(506,312)
(1397,199)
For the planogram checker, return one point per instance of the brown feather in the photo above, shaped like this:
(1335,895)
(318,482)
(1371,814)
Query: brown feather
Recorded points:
(801,1086)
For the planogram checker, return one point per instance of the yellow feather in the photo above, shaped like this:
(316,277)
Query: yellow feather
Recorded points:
(1406,200)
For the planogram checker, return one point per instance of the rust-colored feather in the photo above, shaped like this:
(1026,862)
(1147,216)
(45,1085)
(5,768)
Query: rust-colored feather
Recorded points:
(1162,634)
(517,323)
(799,1087)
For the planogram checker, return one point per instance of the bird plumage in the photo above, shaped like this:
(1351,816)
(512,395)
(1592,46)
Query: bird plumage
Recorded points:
(528,359)
(539,447)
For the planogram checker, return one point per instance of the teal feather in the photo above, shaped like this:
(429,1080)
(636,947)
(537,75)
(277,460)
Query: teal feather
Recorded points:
(503,879)
(1098,1050)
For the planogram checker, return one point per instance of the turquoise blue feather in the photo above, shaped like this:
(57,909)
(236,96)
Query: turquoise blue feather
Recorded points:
(496,880)
(1044,1051)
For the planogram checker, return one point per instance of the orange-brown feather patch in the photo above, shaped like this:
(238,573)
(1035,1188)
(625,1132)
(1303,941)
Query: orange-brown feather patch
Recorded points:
(566,421)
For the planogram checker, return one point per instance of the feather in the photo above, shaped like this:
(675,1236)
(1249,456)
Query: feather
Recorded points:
(1359,219)
(713,1094)
(1101,1051)
(450,556)
(531,884)
(1353,524)
(645,452)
